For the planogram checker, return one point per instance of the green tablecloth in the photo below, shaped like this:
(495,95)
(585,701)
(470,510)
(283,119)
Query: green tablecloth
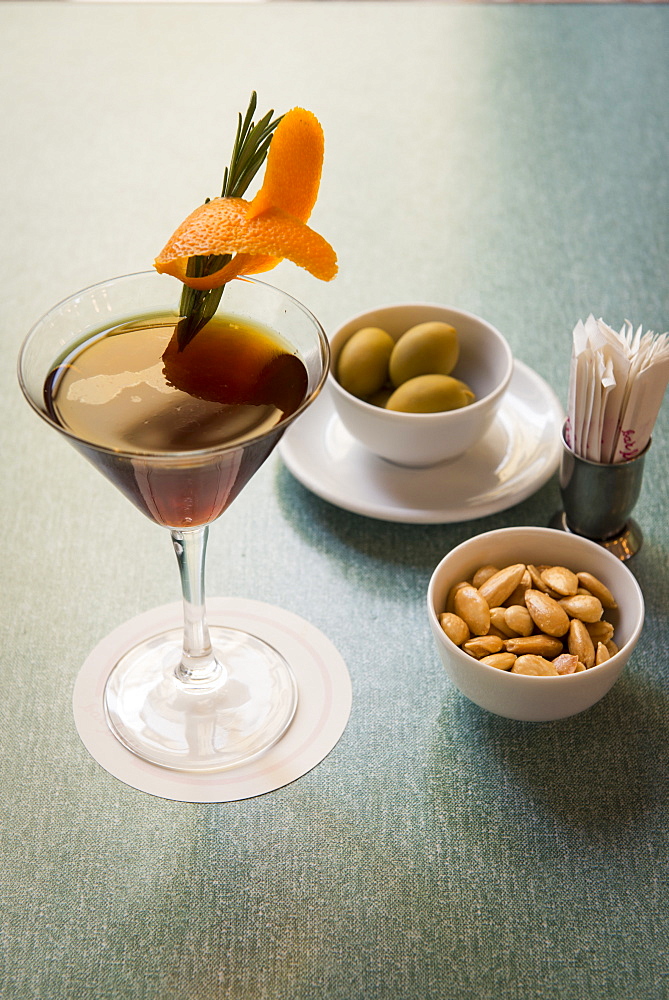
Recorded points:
(511,161)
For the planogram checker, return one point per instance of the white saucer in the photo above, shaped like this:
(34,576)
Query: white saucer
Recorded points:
(519,453)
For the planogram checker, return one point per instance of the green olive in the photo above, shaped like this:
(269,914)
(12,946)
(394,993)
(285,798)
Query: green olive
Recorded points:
(426,349)
(362,366)
(430,394)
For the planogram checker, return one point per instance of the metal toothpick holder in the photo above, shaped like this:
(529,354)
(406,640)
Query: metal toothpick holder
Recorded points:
(598,500)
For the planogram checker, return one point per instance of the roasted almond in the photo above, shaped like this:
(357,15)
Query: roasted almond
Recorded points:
(566,663)
(496,631)
(546,613)
(450,600)
(536,666)
(561,580)
(602,654)
(483,645)
(598,589)
(498,621)
(496,590)
(600,631)
(535,576)
(518,595)
(482,574)
(541,645)
(501,661)
(519,620)
(586,609)
(473,609)
(580,643)
(454,627)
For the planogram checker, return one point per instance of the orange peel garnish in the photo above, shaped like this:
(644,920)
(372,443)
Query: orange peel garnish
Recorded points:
(294,165)
(222,226)
(269,228)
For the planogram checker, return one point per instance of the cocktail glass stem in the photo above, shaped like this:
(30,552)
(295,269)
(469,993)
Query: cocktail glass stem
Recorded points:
(198,663)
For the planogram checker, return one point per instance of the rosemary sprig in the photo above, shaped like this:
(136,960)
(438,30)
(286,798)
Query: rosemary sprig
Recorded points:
(248,155)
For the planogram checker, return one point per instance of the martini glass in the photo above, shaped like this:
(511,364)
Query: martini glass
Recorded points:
(194,698)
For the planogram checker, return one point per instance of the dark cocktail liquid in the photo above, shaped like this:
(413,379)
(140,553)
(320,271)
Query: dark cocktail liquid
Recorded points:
(179,432)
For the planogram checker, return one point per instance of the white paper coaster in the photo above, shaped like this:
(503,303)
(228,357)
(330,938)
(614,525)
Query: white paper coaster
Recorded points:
(324,704)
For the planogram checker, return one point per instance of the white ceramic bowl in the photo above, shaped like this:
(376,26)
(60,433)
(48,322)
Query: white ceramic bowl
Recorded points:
(517,696)
(423,439)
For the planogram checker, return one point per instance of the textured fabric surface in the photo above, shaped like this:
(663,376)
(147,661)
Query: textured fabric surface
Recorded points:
(511,161)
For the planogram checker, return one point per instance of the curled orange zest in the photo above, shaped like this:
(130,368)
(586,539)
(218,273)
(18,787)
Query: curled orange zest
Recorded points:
(294,165)
(269,228)
(222,226)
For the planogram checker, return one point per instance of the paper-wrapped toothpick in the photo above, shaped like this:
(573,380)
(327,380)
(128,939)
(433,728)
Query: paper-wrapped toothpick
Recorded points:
(616,386)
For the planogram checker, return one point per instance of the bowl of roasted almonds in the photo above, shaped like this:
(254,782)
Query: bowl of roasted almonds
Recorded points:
(533,623)
(418,383)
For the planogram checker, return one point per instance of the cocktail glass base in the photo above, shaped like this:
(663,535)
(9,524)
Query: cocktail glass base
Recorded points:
(205,726)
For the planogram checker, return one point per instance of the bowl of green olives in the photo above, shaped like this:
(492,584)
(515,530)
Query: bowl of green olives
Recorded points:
(418,383)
